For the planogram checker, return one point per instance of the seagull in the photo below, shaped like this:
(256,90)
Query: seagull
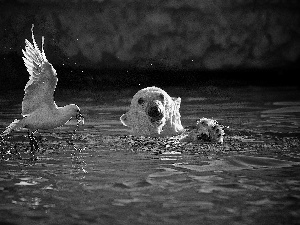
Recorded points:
(39,109)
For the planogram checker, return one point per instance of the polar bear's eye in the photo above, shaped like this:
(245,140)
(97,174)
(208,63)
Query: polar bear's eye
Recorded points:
(141,101)
(161,96)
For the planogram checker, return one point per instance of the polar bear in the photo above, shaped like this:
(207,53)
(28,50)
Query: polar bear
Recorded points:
(153,113)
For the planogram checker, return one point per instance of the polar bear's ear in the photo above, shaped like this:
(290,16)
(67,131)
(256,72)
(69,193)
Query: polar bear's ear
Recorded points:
(177,101)
(124,119)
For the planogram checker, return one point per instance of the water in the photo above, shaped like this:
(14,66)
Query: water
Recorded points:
(100,176)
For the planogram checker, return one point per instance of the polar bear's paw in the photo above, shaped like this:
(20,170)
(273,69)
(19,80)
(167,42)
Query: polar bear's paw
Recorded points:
(208,130)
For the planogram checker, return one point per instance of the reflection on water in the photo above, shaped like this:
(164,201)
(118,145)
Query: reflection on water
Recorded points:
(100,176)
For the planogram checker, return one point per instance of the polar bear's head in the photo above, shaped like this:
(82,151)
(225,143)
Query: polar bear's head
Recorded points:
(153,113)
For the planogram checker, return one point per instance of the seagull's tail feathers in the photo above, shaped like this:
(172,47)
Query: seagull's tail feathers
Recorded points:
(13,126)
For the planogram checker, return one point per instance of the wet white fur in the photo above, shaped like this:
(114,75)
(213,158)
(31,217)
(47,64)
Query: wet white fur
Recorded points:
(139,122)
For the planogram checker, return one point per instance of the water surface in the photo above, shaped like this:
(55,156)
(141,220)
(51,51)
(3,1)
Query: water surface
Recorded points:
(98,175)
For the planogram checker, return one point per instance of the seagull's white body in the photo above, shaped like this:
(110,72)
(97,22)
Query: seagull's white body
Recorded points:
(46,118)
(39,109)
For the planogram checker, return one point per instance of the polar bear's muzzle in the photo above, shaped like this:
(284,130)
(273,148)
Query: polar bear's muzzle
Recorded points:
(155,111)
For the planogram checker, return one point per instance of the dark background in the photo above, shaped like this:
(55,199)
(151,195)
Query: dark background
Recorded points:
(95,44)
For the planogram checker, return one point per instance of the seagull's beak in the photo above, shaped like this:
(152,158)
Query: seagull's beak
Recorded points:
(80,118)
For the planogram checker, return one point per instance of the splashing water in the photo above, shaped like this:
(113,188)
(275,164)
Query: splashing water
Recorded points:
(101,175)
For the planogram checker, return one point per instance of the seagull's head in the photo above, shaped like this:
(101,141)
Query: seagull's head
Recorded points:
(74,111)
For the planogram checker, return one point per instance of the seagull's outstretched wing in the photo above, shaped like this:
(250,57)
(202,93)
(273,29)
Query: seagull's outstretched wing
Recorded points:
(40,88)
